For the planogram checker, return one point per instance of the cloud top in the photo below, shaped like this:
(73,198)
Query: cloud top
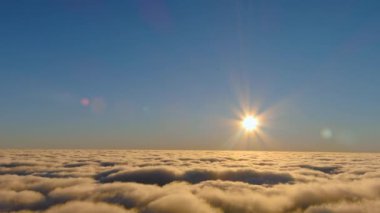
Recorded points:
(59,181)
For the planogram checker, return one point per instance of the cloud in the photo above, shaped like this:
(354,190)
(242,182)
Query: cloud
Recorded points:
(187,181)
(87,207)
(12,200)
(346,207)
(162,176)
(324,169)
(184,203)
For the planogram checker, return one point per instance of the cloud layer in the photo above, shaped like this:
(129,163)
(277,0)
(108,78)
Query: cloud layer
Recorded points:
(187,181)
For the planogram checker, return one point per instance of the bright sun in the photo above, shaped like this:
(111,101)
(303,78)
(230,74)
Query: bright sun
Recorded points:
(250,123)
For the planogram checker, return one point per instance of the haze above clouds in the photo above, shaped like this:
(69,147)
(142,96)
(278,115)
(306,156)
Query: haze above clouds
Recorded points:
(187,181)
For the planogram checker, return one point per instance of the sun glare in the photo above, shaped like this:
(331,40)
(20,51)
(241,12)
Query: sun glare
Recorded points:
(250,123)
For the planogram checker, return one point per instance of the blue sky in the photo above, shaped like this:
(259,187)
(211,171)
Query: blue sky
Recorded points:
(172,74)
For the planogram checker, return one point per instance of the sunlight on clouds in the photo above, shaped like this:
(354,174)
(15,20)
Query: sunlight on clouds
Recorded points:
(58,181)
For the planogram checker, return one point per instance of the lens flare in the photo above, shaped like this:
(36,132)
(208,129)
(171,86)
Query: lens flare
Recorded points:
(85,102)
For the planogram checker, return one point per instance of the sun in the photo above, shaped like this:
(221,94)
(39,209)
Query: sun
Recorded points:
(250,123)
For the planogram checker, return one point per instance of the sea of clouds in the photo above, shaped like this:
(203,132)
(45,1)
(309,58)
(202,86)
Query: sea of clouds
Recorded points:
(97,181)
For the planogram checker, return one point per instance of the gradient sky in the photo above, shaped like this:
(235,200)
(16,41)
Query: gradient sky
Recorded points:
(173,74)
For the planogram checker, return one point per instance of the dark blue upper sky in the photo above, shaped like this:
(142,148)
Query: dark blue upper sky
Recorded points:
(171,74)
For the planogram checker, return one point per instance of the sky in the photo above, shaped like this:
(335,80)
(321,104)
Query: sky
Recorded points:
(180,74)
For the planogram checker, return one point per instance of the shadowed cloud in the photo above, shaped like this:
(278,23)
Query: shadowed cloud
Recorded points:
(162,176)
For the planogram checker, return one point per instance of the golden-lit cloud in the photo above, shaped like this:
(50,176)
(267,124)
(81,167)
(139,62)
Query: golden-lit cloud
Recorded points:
(56,181)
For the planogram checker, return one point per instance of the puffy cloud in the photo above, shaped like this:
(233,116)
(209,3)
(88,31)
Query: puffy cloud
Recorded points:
(184,203)
(187,181)
(324,169)
(346,207)
(39,184)
(87,207)
(12,200)
(162,176)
